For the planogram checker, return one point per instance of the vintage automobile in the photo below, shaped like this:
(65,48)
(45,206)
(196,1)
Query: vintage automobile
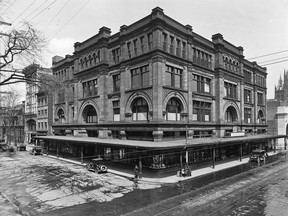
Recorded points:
(258,155)
(21,147)
(97,165)
(36,150)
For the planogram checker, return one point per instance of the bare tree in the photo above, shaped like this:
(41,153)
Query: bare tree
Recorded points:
(11,118)
(22,46)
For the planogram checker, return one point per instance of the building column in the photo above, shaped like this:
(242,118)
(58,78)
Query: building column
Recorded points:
(274,145)
(81,154)
(240,149)
(57,148)
(213,157)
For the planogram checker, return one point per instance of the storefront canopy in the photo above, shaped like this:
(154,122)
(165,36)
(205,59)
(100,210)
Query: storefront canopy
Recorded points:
(199,142)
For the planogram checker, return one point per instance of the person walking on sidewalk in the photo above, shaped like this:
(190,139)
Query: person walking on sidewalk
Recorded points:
(136,173)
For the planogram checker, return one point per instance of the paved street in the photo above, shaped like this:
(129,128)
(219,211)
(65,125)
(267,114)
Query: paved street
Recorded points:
(32,185)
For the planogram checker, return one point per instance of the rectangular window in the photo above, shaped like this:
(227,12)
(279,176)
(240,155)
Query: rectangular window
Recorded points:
(116,83)
(90,88)
(201,84)
(247,115)
(173,76)
(45,125)
(140,77)
(171,44)
(149,41)
(135,47)
(230,90)
(164,41)
(247,96)
(201,111)
(260,98)
(247,76)
(129,49)
(142,44)
(116,110)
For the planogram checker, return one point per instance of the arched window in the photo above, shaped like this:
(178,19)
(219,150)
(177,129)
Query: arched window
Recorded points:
(260,117)
(61,116)
(173,110)
(139,110)
(231,114)
(90,114)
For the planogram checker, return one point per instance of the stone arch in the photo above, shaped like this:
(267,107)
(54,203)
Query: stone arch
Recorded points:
(261,116)
(180,97)
(92,103)
(135,96)
(31,124)
(231,109)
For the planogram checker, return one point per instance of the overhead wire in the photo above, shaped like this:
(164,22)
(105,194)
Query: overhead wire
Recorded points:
(73,16)
(56,15)
(24,11)
(43,10)
(273,60)
(269,54)
(35,10)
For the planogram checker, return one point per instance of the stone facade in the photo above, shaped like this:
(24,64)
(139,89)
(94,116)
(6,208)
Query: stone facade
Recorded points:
(158,80)
(31,103)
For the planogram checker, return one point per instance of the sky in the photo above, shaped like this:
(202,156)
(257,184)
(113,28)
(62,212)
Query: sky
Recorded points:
(259,26)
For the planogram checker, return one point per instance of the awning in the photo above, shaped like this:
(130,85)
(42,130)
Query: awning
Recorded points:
(199,142)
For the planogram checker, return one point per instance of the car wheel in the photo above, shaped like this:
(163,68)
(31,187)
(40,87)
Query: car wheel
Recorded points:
(103,168)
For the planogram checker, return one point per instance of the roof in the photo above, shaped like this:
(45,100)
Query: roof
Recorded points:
(200,142)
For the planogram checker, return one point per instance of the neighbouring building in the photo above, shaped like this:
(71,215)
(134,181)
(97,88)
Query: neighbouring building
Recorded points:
(34,73)
(277,108)
(154,87)
(12,123)
(281,90)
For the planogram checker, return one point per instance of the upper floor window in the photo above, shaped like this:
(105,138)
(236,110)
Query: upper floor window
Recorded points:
(260,80)
(201,84)
(90,88)
(247,115)
(260,99)
(142,44)
(173,110)
(135,47)
(230,90)
(90,114)
(173,76)
(247,96)
(139,110)
(201,111)
(116,55)
(150,41)
(140,77)
(247,76)
(116,83)
(129,49)
(116,110)
(61,116)
(61,97)
(202,58)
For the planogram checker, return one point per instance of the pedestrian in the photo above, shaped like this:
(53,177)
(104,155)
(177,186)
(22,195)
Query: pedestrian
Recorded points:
(136,172)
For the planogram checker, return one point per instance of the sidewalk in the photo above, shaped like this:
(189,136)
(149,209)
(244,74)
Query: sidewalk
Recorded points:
(172,178)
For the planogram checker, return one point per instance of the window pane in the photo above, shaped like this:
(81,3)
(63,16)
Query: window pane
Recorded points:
(168,79)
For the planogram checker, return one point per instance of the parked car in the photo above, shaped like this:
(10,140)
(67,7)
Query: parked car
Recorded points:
(3,147)
(21,147)
(97,165)
(258,156)
(36,150)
